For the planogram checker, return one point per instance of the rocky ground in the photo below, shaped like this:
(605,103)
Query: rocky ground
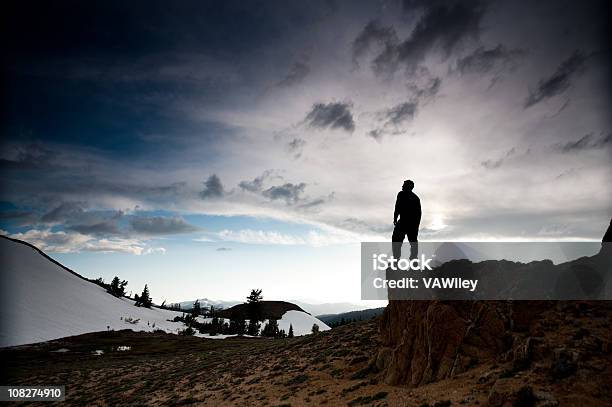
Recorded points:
(564,358)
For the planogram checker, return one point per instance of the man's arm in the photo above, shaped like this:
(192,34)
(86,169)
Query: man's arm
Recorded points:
(396,212)
(418,214)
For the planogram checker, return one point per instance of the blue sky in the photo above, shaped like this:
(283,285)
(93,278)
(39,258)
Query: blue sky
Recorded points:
(139,138)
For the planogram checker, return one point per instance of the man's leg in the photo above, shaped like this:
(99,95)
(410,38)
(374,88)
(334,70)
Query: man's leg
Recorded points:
(396,240)
(414,243)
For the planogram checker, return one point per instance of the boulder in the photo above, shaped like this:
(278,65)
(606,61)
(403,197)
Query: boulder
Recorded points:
(432,340)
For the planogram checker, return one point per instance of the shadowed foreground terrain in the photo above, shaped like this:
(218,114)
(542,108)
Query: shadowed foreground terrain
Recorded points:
(567,361)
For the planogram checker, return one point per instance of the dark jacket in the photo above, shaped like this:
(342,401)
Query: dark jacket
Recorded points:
(408,207)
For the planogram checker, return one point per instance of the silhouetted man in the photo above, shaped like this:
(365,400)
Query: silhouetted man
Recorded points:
(408,208)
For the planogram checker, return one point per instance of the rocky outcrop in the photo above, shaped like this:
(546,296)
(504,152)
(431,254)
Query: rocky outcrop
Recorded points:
(426,341)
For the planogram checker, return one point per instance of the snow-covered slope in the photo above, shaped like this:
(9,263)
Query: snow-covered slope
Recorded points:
(43,301)
(301,321)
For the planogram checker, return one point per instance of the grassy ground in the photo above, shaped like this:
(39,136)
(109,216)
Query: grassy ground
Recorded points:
(332,368)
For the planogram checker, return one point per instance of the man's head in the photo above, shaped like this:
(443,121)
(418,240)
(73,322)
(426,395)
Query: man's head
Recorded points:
(408,185)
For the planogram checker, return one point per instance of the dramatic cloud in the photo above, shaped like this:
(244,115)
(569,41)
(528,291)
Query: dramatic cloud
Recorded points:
(290,193)
(28,157)
(405,112)
(20,218)
(587,142)
(212,188)
(104,228)
(373,34)
(402,112)
(102,127)
(65,211)
(67,242)
(298,72)
(443,26)
(560,80)
(295,146)
(334,115)
(159,225)
(257,183)
(483,60)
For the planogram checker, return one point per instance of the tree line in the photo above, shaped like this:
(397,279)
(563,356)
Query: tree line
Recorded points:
(117,288)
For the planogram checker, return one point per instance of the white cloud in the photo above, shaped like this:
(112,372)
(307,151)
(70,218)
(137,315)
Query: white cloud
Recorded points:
(70,242)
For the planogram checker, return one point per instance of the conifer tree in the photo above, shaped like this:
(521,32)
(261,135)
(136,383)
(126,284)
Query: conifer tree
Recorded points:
(145,299)
(254,306)
(255,296)
(196,310)
(290,334)
(117,287)
(253,328)
(270,329)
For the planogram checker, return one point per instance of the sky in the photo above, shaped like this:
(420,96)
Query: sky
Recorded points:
(207,148)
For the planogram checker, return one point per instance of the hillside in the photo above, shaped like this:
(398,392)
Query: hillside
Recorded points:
(266,309)
(336,367)
(351,316)
(43,300)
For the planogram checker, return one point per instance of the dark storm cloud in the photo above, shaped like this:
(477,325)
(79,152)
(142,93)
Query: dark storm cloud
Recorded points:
(288,192)
(63,212)
(19,218)
(291,193)
(334,115)
(298,72)
(402,112)
(75,216)
(256,185)
(159,225)
(296,146)
(443,25)
(105,228)
(405,112)
(560,80)
(483,60)
(373,34)
(29,157)
(586,142)
(212,188)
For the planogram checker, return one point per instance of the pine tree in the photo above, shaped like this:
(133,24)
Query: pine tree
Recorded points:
(117,287)
(253,328)
(315,329)
(145,299)
(255,296)
(254,305)
(270,329)
(290,334)
(237,326)
(197,309)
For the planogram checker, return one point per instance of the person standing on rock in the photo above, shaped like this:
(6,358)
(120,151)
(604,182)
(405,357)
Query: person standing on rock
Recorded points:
(408,208)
